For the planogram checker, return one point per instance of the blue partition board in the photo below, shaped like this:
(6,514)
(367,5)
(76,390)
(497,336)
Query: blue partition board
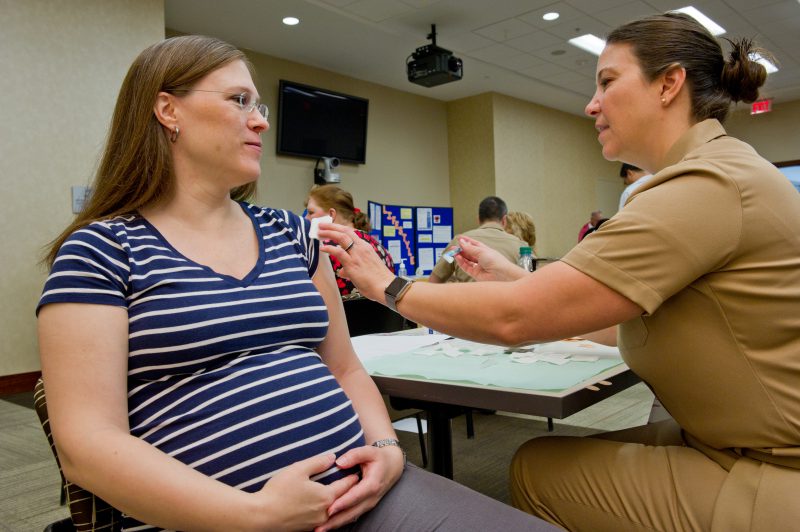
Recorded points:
(418,235)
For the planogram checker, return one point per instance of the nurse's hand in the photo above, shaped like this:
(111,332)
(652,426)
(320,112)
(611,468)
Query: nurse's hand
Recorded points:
(359,261)
(483,263)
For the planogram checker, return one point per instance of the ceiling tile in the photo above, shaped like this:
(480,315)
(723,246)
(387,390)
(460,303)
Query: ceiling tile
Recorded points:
(519,62)
(786,9)
(339,3)
(617,16)
(742,5)
(580,26)
(465,42)
(377,10)
(494,52)
(534,41)
(544,70)
(505,30)
(565,11)
(419,4)
(594,6)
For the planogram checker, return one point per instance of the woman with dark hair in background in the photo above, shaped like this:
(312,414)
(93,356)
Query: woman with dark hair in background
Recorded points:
(330,200)
(701,273)
(197,364)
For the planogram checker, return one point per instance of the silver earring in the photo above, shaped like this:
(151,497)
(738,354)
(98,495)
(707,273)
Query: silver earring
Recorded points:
(173,137)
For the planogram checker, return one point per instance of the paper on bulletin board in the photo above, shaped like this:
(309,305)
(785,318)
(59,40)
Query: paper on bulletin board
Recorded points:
(408,224)
(395,250)
(425,238)
(442,234)
(424,219)
(439,252)
(375,216)
(426,258)
(388,231)
(406,213)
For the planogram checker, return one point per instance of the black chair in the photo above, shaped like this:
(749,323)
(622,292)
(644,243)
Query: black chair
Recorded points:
(88,513)
(368,317)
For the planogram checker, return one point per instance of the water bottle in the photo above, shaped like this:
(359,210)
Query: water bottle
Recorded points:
(526,259)
(401,271)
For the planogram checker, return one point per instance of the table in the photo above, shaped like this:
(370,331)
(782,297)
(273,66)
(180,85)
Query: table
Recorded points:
(443,400)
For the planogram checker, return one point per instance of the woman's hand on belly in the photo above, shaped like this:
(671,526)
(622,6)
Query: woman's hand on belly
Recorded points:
(381,468)
(292,501)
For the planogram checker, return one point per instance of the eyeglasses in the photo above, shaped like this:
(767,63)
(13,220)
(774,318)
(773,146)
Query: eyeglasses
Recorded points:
(246,101)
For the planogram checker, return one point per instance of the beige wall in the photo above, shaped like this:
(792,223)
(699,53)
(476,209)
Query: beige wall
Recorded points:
(539,160)
(548,163)
(470,132)
(775,135)
(62,65)
(406,143)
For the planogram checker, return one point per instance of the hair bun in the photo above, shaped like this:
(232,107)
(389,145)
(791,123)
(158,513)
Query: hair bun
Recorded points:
(741,75)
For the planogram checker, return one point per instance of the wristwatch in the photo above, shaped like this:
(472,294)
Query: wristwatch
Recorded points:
(391,442)
(395,291)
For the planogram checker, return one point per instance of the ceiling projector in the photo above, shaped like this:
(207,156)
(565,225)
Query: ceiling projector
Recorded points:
(431,65)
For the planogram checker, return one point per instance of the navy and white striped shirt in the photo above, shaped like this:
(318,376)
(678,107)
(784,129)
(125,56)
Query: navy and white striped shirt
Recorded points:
(222,372)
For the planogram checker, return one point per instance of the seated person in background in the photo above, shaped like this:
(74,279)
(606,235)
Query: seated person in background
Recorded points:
(591,230)
(593,219)
(198,370)
(330,200)
(520,224)
(492,213)
(634,177)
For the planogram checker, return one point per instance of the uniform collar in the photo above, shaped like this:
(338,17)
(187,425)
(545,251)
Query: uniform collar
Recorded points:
(492,225)
(695,136)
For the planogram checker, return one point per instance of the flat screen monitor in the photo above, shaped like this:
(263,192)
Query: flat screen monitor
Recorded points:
(315,122)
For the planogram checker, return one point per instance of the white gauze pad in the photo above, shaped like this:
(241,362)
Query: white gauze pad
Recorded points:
(314,231)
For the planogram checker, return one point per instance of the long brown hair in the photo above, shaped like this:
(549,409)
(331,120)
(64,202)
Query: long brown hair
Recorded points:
(136,166)
(661,41)
(333,197)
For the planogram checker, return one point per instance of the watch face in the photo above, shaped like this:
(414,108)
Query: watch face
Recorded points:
(395,286)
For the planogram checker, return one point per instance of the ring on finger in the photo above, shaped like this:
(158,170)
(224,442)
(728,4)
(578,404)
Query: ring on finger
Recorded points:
(352,243)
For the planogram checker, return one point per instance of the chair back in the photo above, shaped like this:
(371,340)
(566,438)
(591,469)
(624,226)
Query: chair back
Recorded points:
(365,316)
(88,512)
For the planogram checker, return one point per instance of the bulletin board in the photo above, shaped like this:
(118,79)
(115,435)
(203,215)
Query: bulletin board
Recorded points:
(434,231)
(418,235)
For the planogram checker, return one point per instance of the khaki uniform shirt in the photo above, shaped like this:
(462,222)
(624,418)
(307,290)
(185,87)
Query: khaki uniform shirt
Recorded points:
(490,233)
(709,247)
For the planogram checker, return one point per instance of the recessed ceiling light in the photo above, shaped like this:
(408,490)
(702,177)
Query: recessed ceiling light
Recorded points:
(755,56)
(553,15)
(591,43)
(709,24)
(291,21)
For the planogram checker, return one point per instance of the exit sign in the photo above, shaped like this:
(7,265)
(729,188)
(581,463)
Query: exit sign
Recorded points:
(761,106)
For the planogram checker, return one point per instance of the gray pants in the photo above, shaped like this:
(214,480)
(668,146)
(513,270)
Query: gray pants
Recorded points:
(422,501)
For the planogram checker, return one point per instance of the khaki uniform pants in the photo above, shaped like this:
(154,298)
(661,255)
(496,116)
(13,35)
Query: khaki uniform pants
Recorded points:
(647,479)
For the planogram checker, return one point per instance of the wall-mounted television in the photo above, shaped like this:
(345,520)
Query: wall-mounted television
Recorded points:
(315,122)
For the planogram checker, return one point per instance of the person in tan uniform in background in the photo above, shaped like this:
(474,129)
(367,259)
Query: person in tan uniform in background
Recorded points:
(701,273)
(492,213)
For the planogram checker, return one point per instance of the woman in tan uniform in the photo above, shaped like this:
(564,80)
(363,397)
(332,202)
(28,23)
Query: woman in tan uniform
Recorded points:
(701,271)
